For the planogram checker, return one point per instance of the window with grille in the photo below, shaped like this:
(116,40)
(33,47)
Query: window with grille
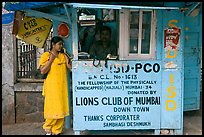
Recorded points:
(137,34)
(28,57)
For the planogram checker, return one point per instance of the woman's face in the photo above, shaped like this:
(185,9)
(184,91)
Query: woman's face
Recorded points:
(58,46)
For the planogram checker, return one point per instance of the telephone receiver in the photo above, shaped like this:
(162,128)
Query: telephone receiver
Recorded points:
(62,50)
(67,54)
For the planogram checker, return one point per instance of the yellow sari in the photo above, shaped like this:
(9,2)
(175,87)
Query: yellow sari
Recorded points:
(55,88)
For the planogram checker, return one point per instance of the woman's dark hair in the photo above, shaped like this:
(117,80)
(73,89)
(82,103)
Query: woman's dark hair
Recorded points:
(54,40)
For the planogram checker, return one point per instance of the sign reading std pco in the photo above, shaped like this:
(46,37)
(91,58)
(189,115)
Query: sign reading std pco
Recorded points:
(34,30)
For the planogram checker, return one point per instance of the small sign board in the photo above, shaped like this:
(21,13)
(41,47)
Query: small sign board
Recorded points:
(87,17)
(34,30)
(172,38)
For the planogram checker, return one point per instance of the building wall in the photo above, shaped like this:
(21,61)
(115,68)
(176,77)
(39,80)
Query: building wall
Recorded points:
(29,102)
(21,102)
(7,75)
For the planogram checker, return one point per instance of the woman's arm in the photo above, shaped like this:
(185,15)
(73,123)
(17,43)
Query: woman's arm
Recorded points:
(44,69)
(68,62)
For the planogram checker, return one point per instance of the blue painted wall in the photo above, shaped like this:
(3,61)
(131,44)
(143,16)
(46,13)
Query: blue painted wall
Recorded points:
(192,61)
(68,46)
(172,77)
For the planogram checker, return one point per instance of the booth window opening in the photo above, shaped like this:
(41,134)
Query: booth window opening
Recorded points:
(138,41)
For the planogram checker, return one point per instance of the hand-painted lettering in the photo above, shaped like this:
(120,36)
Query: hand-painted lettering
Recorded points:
(147,67)
(170,103)
(172,25)
(30,24)
(86,101)
(170,52)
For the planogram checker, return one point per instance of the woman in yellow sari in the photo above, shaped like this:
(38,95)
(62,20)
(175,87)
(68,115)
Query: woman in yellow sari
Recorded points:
(55,88)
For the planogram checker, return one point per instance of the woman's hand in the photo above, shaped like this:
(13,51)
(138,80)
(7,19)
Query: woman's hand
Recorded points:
(68,62)
(65,51)
(52,56)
